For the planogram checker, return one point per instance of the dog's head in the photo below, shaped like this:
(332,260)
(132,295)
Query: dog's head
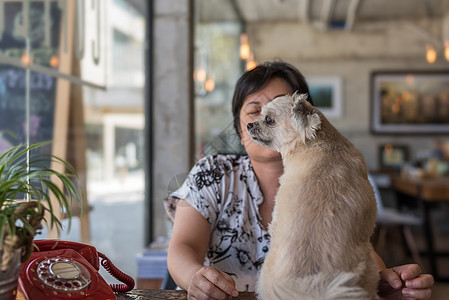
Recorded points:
(283,120)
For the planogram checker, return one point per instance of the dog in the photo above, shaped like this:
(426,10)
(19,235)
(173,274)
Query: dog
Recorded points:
(325,209)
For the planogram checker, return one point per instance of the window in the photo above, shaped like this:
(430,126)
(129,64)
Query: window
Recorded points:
(37,78)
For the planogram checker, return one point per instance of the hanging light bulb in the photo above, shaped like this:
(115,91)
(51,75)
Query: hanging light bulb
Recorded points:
(251,63)
(431,54)
(446,50)
(54,61)
(26,59)
(244,46)
(201,75)
(210,85)
(244,51)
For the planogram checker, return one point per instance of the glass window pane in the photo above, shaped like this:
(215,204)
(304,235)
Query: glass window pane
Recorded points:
(217,68)
(103,120)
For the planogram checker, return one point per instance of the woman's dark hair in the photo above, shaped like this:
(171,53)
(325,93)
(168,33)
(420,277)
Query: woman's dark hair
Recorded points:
(253,80)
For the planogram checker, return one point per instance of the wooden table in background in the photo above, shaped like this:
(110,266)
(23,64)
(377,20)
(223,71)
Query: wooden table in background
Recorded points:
(169,295)
(428,192)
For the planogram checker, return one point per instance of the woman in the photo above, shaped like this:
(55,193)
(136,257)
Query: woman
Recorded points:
(223,209)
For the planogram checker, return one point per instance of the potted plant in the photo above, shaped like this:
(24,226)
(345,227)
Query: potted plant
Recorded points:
(27,185)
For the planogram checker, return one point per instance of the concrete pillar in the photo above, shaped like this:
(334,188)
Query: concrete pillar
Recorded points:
(172,99)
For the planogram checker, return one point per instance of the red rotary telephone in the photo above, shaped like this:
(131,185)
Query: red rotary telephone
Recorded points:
(68,270)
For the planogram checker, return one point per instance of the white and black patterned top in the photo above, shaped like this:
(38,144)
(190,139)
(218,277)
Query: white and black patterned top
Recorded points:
(224,189)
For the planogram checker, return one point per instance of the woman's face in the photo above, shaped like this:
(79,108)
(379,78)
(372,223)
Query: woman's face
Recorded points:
(250,112)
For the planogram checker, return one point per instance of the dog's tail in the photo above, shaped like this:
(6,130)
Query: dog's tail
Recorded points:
(341,286)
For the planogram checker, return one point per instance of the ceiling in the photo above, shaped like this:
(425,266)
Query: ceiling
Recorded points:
(323,14)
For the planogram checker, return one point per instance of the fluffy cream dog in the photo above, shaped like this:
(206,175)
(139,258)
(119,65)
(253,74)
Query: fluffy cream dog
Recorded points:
(325,208)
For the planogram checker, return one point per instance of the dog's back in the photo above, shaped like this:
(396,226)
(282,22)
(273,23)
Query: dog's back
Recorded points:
(324,216)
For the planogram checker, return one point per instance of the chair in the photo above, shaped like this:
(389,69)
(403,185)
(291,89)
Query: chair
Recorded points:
(388,217)
(168,283)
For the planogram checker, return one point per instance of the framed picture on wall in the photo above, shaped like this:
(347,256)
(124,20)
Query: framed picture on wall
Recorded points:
(410,102)
(326,93)
(392,157)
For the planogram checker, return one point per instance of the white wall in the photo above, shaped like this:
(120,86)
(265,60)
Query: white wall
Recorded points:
(393,45)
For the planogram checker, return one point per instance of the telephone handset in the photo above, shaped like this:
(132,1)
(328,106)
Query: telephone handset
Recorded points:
(68,270)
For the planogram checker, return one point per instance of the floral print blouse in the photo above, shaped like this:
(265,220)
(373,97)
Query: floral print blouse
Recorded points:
(224,189)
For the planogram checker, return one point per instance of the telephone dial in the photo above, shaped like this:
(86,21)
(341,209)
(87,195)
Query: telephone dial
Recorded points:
(68,270)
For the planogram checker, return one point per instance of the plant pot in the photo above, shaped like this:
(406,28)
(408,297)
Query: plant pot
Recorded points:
(9,278)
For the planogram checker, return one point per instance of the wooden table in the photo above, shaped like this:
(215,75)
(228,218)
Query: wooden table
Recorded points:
(428,192)
(169,295)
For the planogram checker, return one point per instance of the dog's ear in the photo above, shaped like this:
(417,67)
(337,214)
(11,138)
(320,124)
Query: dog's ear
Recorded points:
(305,118)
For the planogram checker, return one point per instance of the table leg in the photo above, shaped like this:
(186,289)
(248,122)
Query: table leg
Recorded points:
(429,239)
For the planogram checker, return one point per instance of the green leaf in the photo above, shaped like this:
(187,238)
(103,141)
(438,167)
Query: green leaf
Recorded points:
(25,172)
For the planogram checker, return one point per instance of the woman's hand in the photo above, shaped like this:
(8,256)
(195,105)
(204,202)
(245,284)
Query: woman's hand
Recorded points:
(188,247)
(405,282)
(210,283)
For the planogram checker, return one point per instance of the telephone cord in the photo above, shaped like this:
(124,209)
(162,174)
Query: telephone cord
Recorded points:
(114,271)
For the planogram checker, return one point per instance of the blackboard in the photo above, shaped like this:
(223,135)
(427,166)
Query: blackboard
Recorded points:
(55,104)
(44,45)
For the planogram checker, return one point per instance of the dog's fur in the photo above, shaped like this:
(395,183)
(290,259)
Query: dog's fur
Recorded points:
(325,208)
